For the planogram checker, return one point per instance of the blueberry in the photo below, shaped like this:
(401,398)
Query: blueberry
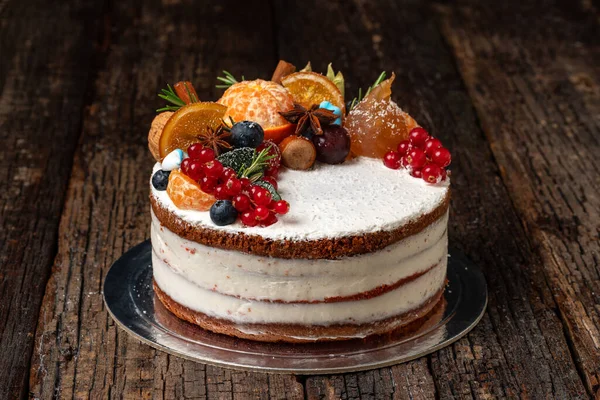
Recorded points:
(247,134)
(160,179)
(223,213)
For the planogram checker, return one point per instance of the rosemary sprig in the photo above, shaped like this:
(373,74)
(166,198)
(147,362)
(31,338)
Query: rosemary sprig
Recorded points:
(170,96)
(360,96)
(255,170)
(227,80)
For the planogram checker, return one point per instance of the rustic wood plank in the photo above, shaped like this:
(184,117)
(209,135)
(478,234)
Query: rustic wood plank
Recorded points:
(537,93)
(519,348)
(44,69)
(80,352)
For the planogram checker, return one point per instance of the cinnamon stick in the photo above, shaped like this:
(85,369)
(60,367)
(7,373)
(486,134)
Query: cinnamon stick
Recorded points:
(186,92)
(283,69)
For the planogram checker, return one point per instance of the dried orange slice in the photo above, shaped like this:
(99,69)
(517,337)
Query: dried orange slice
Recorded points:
(376,124)
(186,193)
(260,101)
(182,129)
(308,88)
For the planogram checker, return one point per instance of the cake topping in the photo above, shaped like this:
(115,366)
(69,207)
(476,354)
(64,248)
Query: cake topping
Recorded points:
(172,160)
(309,88)
(333,145)
(191,124)
(236,146)
(160,179)
(309,119)
(222,212)
(298,152)
(186,194)
(422,155)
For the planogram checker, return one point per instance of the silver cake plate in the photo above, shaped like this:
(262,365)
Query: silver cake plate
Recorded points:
(130,300)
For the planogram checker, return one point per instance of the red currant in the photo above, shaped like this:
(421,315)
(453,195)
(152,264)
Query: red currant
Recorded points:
(227,173)
(241,202)
(417,173)
(418,136)
(213,168)
(261,213)
(403,147)
(281,207)
(194,170)
(432,173)
(271,180)
(270,220)
(416,158)
(185,165)
(261,196)
(432,145)
(208,184)
(233,186)
(248,218)
(392,159)
(245,183)
(194,151)
(441,157)
(205,155)
(221,193)
(253,188)
(272,171)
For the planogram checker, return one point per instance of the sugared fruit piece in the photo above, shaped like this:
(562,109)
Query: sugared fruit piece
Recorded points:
(376,125)
(297,153)
(186,194)
(237,158)
(190,121)
(223,213)
(246,134)
(333,145)
(156,129)
(160,179)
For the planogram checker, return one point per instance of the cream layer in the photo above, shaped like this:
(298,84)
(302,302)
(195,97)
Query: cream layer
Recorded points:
(403,299)
(291,280)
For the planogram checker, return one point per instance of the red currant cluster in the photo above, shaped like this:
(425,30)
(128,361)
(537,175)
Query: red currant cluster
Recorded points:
(254,203)
(422,154)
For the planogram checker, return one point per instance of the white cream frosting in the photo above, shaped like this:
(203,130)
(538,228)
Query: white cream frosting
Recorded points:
(329,201)
(263,278)
(403,299)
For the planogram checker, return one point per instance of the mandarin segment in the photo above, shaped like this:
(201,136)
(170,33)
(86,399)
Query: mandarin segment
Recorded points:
(308,88)
(376,125)
(259,101)
(186,194)
(183,128)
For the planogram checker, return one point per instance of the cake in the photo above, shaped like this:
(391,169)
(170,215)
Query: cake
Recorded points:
(292,218)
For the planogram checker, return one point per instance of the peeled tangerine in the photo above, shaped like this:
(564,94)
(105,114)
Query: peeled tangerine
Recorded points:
(186,194)
(376,125)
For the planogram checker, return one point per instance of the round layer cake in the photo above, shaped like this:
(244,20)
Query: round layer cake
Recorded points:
(363,251)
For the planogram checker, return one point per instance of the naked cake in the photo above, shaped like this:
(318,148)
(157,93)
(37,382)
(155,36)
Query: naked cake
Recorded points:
(282,213)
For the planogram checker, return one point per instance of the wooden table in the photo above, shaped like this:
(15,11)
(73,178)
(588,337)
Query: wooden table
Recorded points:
(511,87)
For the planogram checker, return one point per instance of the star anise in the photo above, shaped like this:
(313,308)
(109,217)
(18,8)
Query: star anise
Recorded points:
(309,118)
(215,139)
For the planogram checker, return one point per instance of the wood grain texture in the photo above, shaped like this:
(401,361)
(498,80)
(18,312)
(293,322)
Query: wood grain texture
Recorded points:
(539,106)
(44,69)
(519,349)
(80,353)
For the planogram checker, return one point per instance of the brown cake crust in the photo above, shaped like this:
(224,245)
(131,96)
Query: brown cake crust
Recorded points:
(328,248)
(293,333)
